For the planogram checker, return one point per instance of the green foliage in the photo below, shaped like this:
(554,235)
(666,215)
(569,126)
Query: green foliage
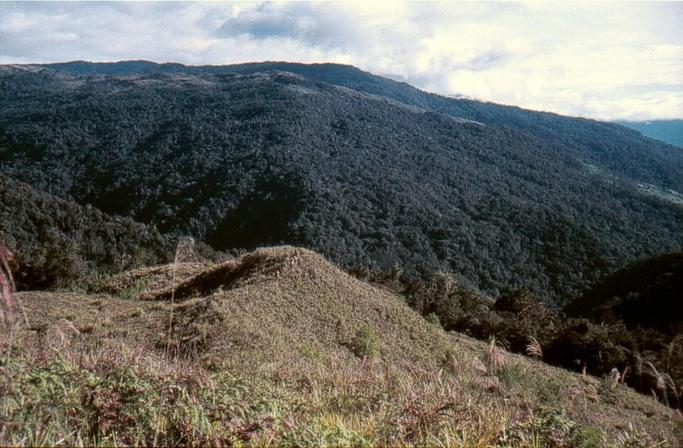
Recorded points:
(366,343)
(554,428)
(644,294)
(517,376)
(132,291)
(327,435)
(433,319)
(60,244)
(587,436)
(122,406)
(494,193)
(309,352)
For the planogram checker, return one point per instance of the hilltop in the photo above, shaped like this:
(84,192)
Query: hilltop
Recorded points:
(279,346)
(370,172)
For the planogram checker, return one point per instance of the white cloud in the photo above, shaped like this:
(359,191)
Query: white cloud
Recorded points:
(602,60)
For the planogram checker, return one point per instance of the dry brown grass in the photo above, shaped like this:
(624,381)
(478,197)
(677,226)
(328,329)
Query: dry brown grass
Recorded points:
(281,322)
(156,277)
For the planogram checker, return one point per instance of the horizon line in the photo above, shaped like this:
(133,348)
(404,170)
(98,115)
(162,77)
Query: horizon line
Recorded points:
(448,95)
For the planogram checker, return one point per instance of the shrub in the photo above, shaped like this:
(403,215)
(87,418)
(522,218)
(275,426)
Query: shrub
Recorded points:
(366,343)
(433,319)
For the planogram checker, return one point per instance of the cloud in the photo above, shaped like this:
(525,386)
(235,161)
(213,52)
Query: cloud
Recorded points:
(305,22)
(604,60)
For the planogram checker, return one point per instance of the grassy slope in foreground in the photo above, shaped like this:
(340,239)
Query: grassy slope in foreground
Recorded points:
(280,347)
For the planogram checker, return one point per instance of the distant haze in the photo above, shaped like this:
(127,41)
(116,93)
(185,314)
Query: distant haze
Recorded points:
(668,131)
(601,60)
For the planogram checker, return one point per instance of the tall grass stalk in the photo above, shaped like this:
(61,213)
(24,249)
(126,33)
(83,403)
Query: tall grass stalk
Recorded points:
(10,308)
(10,305)
(184,251)
(533,349)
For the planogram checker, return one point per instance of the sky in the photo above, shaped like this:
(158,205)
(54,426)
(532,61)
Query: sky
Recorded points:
(604,60)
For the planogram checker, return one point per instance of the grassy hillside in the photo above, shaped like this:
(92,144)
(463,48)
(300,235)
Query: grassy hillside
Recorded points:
(280,347)
(369,172)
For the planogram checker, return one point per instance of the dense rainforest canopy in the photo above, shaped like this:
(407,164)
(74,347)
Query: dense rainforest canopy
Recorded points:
(372,173)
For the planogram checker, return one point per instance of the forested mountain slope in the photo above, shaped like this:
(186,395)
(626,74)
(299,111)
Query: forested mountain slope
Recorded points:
(608,144)
(368,171)
(57,241)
